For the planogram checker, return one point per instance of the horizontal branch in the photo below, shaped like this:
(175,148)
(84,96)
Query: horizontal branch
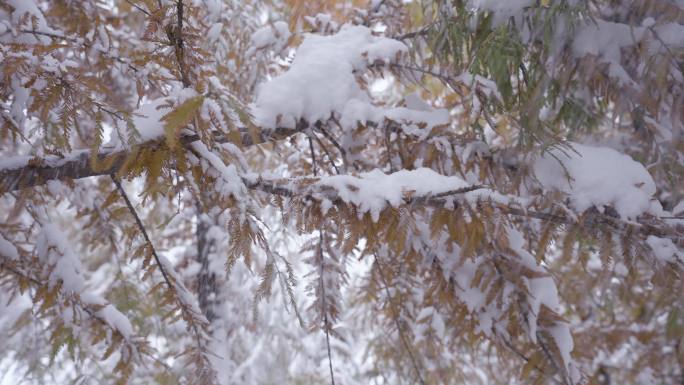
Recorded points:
(38,171)
(25,172)
(590,219)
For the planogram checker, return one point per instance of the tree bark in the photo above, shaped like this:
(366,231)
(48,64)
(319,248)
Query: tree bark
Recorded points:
(207,289)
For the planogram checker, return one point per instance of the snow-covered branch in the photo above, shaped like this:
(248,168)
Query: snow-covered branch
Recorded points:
(26,171)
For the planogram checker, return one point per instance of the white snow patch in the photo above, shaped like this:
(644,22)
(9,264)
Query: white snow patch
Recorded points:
(53,249)
(664,249)
(321,82)
(110,314)
(606,39)
(116,320)
(274,35)
(599,176)
(8,250)
(503,10)
(372,191)
(147,119)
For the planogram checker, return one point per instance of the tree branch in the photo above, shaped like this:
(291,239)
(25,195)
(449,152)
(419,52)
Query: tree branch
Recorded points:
(590,219)
(25,171)
(77,40)
(179,46)
(139,8)
(38,171)
(142,229)
(194,320)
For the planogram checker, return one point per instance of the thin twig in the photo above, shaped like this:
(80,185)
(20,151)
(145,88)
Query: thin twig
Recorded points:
(421,32)
(139,8)
(142,229)
(49,34)
(82,42)
(325,150)
(395,318)
(448,80)
(343,152)
(313,157)
(673,57)
(388,145)
(518,353)
(162,267)
(326,322)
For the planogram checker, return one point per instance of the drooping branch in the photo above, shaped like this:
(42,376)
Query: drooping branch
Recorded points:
(194,319)
(143,231)
(321,259)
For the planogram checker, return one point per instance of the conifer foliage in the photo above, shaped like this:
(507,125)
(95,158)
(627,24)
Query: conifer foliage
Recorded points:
(344,192)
